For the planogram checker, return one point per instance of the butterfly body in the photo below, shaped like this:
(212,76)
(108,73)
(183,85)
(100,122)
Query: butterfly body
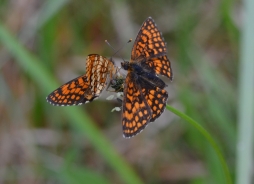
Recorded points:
(139,71)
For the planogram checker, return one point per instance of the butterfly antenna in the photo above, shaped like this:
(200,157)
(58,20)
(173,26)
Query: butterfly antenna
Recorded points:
(116,51)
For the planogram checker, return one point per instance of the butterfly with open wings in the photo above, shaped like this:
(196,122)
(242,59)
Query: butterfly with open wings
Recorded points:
(144,96)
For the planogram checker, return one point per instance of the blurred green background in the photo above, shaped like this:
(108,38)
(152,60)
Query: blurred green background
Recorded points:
(49,41)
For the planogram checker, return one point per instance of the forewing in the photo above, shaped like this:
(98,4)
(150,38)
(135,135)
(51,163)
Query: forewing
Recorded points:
(136,112)
(85,88)
(150,51)
(149,42)
(74,92)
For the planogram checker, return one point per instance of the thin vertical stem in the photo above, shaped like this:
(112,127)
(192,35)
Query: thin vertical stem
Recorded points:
(244,162)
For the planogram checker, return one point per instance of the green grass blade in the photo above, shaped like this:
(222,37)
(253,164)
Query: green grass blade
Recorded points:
(73,173)
(80,175)
(42,78)
(244,160)
(208,137)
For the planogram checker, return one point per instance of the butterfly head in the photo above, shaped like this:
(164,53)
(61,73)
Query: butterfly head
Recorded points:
(125,65)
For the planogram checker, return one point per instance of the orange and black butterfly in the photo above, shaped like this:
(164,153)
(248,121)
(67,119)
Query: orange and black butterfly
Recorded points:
(87,87)
(144,96)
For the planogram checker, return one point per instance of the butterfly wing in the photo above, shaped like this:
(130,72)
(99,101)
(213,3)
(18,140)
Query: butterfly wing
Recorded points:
(150,51)
(143,102)
(159,65)
(154,94)
(74,92)
(97,70)
(136,113)
(85,88)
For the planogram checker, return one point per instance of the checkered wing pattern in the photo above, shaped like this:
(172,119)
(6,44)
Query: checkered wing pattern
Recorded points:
(156,99)
(150,50)
(143,103)
(136,111)
(87,87)
(144,98)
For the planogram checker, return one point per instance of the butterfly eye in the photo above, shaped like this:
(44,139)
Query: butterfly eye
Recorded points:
(125,65)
